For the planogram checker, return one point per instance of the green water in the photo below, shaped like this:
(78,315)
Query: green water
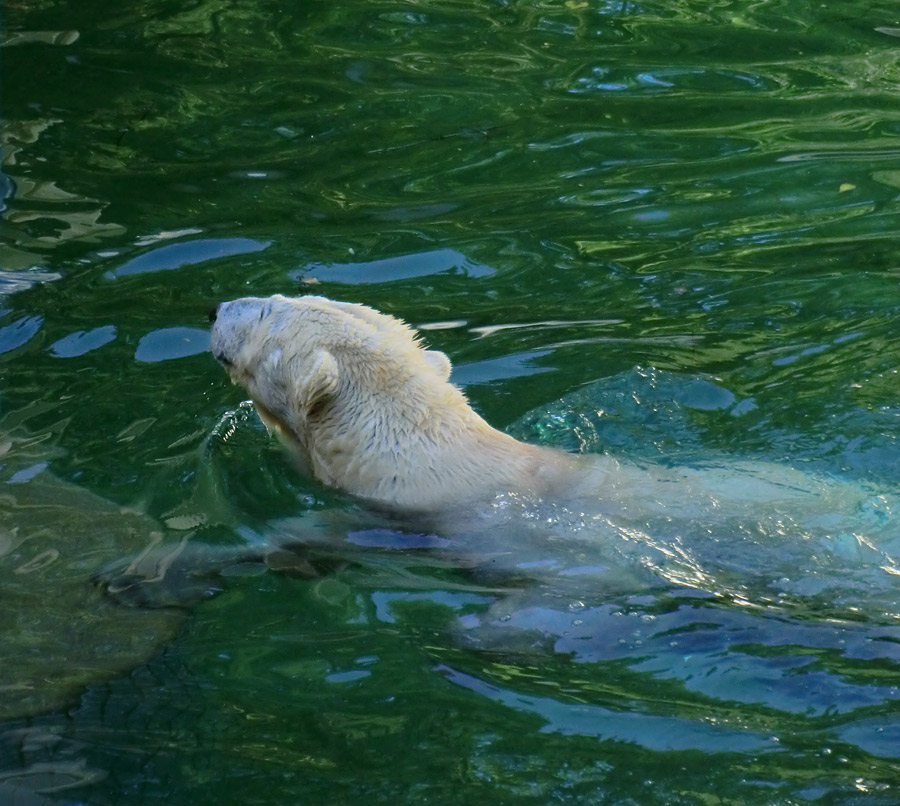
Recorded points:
(670,226)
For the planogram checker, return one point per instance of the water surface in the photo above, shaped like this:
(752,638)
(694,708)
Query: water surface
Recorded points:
(669,227)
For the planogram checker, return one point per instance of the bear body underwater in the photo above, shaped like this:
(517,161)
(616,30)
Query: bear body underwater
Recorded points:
(368,410)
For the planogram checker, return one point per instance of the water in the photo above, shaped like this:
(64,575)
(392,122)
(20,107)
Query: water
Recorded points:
(668,227)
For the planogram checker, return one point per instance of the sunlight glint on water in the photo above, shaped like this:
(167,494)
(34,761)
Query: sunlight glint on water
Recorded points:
(660,230)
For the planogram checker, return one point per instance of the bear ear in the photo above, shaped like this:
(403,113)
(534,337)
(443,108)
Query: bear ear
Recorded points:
(439,362)
(320,381)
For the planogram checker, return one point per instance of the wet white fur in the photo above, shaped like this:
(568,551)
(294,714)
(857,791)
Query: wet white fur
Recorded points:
(367,409)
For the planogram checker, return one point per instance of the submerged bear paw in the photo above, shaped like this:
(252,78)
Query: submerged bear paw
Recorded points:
(168,575)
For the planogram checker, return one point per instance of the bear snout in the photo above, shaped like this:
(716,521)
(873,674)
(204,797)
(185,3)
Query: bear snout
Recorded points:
(213,314)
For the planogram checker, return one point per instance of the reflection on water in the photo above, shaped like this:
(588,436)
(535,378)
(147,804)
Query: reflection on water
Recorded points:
(652,732)
(39,215)
(83,341)
(560,193)
(186,253)
(173,342)
(404,267)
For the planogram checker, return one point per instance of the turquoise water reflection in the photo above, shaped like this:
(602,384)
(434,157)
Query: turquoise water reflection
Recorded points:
(668,228)
(176,255)
(404,267)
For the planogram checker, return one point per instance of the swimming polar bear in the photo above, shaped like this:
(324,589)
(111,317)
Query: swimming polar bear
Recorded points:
(367,409)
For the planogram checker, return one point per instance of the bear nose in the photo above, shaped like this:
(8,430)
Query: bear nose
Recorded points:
(213,314)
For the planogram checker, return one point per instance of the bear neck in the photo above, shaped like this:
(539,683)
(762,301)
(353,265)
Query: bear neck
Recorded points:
(434,455)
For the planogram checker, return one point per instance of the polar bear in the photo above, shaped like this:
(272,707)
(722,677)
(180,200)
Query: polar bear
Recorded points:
(367,409)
